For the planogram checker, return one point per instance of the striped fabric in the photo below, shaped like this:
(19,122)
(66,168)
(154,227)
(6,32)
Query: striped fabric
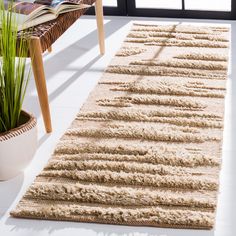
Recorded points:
(145,149)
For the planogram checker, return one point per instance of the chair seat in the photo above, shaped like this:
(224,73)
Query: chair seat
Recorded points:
(50,31)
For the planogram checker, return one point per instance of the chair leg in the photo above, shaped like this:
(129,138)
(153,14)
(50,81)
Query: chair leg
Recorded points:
(100,25)
(50,49)
(39,77)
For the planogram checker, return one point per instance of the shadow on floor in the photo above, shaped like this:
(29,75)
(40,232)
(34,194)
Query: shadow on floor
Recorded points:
(63,58)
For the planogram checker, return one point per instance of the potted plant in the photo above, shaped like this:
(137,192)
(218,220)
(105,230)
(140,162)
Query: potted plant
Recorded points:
(18,133)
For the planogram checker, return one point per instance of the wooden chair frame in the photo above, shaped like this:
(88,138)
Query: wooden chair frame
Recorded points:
(38,68)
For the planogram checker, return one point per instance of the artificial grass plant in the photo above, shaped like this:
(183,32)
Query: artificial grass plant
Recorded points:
(13,73)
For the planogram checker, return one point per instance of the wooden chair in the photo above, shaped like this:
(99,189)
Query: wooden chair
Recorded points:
(42,38)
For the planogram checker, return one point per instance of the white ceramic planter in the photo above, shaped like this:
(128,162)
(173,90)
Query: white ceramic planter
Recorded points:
(17,148)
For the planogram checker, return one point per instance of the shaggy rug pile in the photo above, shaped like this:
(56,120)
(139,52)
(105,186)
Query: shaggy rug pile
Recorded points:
(145,149)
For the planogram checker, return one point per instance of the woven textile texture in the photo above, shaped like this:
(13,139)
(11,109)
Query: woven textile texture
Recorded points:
(145,149)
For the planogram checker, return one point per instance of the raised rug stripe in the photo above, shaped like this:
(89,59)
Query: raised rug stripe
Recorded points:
(158,215)
(183,36)
(203,65)
(113,195)
(178,43)
(204,57)
(121,166)
(151,117)
(160,71)
(122,178)
(146,132)
(147,99)
(164,88)
(178,159)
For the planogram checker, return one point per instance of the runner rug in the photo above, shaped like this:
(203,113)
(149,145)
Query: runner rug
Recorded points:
(145,149)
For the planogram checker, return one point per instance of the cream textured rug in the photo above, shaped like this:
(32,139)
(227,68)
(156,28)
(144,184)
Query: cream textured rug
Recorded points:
(145,148)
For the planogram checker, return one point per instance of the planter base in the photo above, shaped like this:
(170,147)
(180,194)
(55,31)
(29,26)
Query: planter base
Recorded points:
(17,148)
